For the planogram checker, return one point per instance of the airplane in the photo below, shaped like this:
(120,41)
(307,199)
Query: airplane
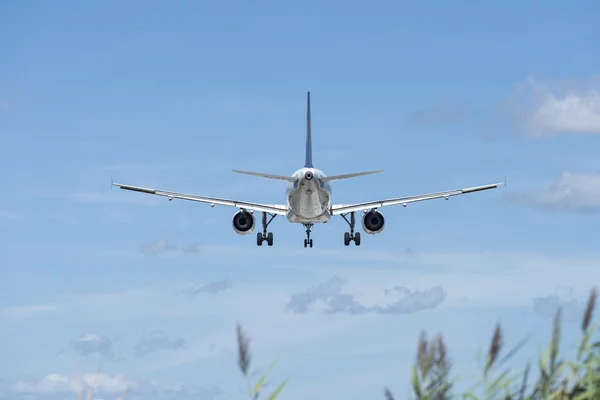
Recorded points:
(308,200)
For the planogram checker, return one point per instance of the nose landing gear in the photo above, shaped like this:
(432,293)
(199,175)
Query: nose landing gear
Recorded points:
(308,241)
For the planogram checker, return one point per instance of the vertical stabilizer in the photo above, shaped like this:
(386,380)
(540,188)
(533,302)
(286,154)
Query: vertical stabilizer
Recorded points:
(308,160)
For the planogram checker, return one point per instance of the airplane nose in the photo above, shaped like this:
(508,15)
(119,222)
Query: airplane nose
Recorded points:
(308,175)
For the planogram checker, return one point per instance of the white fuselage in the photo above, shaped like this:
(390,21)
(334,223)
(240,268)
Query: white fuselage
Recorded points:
(308,200)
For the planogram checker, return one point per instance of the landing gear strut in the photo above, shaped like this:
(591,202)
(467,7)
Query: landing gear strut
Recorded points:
(260,236)
(308,241)
(351,236)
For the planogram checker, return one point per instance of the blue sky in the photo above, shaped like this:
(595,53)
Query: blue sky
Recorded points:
(439,96)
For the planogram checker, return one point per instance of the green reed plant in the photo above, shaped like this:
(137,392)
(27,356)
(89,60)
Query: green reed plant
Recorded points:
(244,360)
(577,379)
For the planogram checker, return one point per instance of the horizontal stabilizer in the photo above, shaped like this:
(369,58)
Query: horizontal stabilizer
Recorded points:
(346,176)
(268,176)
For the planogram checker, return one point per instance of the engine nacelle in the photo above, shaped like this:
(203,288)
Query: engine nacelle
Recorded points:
(243,222)
(373,222)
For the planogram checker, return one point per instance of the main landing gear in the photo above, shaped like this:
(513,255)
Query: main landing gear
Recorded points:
(351,236)
(260,236)
(308,241)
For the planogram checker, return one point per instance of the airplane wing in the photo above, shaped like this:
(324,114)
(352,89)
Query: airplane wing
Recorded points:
(270,208)
(346,208)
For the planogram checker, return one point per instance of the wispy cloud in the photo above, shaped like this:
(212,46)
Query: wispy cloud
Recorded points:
(161,246)
(546,108)
(547,306)
(443,112)
(27,310)
(484,278)
(578,192)
(157,341)
(209,288)
(193,248)
(398,300)
(92,343)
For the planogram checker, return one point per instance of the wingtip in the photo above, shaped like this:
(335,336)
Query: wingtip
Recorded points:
(112,183)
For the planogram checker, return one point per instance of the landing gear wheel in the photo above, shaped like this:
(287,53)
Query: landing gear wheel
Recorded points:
(351,236)
(346,239)
(308,241)
(260,236)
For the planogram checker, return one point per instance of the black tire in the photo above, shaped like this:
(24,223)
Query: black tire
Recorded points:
(310,242)
(346,238)
(259,239)
(305,242)
(357,238)
(270,239)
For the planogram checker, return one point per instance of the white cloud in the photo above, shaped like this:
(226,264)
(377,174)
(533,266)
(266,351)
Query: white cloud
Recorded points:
(56,385)
(570,191)
(550,108)
(578,113)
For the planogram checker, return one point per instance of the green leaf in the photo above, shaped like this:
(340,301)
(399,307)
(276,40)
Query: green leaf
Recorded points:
(514,350)
(415,382)
(276,392)
(261,381)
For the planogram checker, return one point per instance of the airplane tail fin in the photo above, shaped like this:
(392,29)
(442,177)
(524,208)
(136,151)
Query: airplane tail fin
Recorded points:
(346,176)
(308,160)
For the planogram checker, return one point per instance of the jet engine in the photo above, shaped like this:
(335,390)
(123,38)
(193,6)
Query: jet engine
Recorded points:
(373,222)
(243,222)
